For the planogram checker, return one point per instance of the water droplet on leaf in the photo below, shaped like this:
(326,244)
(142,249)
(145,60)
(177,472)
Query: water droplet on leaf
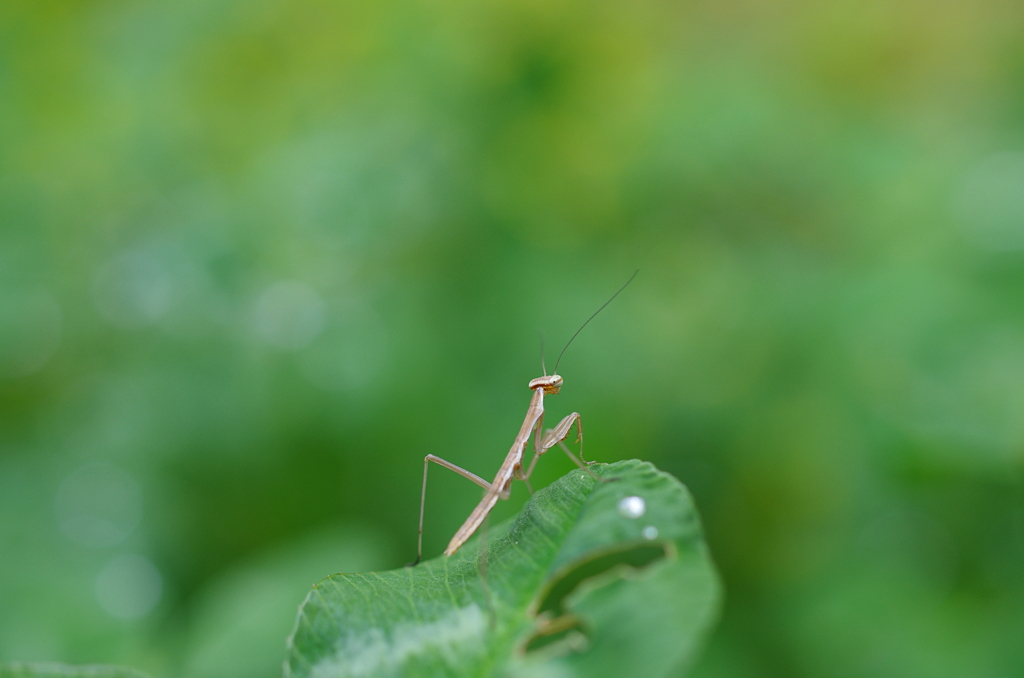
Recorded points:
(632,507)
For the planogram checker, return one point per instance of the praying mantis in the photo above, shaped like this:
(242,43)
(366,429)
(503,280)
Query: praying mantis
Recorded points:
(512,467)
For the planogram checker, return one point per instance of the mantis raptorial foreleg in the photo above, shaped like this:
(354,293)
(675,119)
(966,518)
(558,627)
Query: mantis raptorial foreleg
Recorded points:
(557,436)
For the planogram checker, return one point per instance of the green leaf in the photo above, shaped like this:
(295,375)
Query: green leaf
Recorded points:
(53,670)
(586,581)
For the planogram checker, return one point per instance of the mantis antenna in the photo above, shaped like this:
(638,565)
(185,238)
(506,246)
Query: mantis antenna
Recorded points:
(592,317)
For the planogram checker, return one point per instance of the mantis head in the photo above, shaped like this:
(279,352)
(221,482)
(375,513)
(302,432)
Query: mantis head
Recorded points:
(550,384)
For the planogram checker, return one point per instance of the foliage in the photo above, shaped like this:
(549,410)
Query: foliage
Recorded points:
(593,578)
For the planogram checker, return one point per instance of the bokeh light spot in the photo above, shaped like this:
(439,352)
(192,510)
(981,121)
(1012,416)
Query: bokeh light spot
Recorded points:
(134,289)
(990,201)
(289,315)
(129,586)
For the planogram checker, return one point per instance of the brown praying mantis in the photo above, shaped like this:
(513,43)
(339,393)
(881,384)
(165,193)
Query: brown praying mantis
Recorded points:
(512,467)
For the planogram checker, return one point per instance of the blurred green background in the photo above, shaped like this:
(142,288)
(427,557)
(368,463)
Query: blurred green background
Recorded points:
(258,258)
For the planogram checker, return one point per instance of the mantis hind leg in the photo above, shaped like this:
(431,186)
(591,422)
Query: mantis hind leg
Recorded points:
(423,495)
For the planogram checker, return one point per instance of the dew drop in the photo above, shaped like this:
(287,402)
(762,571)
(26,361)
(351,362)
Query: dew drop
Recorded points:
(650,532)
(632,507)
